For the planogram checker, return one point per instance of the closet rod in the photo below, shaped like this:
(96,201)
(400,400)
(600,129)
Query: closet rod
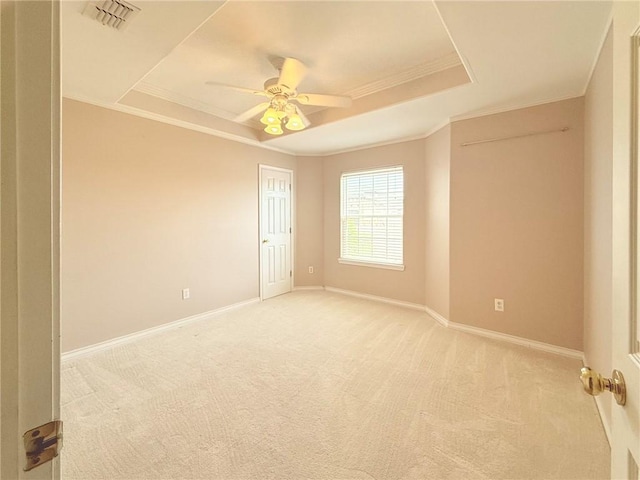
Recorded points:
(564,129)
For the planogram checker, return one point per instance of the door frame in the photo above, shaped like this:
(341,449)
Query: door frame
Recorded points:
(29,229)
(261,168)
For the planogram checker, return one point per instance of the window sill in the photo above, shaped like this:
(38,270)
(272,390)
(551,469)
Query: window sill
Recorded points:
(386,266)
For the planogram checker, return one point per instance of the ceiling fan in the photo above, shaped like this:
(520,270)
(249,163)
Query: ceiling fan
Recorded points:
(281,91)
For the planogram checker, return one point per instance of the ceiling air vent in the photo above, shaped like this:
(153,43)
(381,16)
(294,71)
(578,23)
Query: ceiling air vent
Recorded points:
(111,13)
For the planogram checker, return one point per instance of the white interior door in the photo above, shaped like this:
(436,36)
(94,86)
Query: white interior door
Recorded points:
(275,231)
(625,420)
(29,229)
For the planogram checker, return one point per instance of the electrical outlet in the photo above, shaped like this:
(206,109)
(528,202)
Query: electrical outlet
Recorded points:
(310,269)
(185,294)
(498,304)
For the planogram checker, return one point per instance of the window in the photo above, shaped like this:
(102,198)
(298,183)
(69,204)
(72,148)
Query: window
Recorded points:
(371,211)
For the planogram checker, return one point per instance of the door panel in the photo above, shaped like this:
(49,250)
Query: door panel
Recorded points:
(275,238)
(625,419)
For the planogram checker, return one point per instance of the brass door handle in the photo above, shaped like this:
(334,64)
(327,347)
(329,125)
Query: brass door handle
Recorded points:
(266,240)
(594,384)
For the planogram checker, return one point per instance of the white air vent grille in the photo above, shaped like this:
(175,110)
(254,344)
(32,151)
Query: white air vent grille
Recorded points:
(112,13)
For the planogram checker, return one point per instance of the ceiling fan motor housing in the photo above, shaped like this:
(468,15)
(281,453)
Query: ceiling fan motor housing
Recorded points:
(280,101)
(274,88)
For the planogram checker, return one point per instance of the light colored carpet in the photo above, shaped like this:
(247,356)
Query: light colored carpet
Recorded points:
(319,385)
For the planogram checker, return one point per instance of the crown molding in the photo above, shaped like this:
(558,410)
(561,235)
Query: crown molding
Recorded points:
(413,73)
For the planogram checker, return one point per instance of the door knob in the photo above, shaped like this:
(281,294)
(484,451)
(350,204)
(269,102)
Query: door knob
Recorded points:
(594,384)
(266,240)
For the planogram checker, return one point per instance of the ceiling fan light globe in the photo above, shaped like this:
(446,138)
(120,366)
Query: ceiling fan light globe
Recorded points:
(295,123)
(274,129)
(270,117)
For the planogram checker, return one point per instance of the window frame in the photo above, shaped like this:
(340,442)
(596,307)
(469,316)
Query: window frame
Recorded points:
(362,261)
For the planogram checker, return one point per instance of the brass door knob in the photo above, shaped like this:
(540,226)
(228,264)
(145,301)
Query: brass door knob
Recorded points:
(594,384)
(266,240)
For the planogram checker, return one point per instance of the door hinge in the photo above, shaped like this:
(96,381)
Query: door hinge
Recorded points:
(289,229)
(42,444)
(290,273)
(289,187)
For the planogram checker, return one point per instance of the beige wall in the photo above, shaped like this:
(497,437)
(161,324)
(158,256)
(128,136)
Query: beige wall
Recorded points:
(437,170)
(598,158)
(517,224)
(310,222)
(407,285)
(150,209)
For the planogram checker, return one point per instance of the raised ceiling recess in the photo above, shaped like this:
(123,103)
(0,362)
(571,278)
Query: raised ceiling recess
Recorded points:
(407,67)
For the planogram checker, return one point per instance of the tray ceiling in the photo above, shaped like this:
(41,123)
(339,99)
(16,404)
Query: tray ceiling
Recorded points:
(410,66)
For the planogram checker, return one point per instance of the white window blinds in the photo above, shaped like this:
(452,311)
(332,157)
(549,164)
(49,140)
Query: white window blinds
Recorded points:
(371,216)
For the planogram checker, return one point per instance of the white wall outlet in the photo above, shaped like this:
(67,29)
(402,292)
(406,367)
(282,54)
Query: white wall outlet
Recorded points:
(498,304)
(310,269)
(185,294)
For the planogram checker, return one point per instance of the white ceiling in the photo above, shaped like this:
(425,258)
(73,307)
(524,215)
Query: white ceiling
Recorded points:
(399,60)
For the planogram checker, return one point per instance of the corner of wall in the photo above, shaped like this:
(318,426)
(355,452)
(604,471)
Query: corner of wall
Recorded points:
(437,158)
(309,231)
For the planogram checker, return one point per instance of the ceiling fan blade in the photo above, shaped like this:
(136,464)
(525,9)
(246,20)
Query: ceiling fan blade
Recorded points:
(323,100)
(239,89)
(292,73)
(252,112)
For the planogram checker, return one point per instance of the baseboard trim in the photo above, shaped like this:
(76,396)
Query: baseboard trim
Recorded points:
(98,347)
(545,347)
(391,301)
(504,337)
(437,317)
(525,342)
